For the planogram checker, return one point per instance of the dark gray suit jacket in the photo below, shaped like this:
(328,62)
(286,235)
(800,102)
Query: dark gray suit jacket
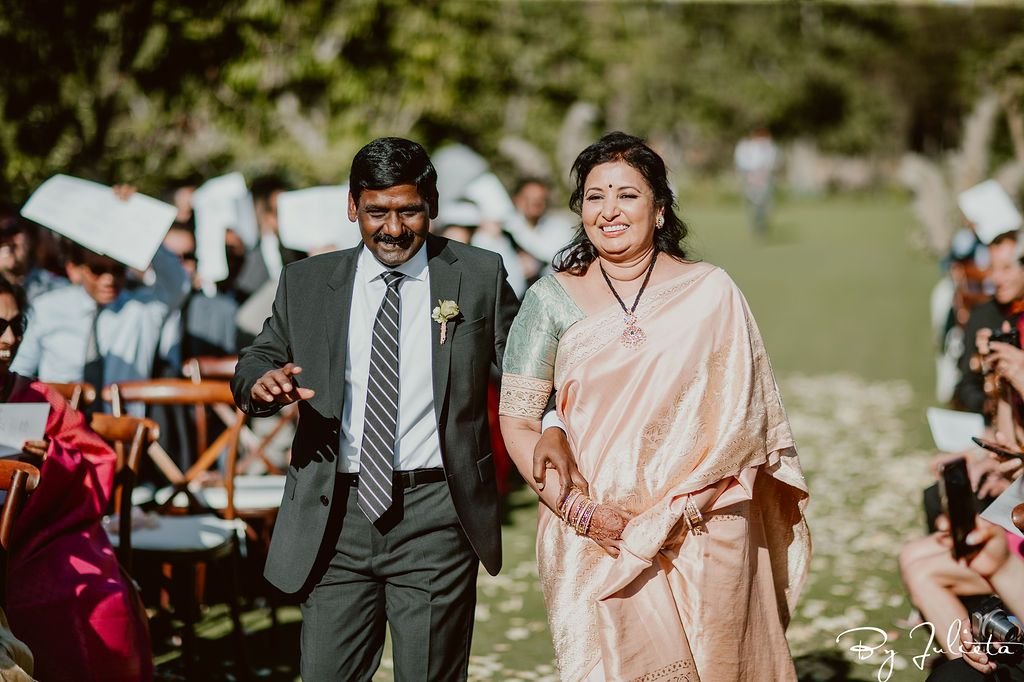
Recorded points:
(310,325)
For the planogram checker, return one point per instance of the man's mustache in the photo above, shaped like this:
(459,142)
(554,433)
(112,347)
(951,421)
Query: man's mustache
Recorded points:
(404,240)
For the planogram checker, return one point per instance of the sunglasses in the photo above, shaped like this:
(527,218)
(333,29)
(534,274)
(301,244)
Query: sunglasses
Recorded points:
(16,324)
(115,269)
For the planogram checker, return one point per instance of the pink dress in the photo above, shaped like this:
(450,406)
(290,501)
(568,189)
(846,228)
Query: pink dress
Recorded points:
(67,598)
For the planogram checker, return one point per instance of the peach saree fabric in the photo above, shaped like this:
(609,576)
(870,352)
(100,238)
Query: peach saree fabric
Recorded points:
(696,406)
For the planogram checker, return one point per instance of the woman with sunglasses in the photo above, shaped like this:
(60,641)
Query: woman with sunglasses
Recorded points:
(66,596)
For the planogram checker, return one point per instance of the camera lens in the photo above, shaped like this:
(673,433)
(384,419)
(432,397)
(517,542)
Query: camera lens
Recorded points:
(1001,627)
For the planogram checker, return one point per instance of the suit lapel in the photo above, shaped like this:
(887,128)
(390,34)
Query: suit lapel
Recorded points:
(445,281)
(340,286)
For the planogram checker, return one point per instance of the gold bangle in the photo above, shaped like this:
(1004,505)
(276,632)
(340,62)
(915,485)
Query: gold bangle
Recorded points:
(694,519)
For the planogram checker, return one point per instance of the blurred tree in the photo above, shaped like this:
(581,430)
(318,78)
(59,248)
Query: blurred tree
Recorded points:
(1007,75)
(153,91)
(78,77)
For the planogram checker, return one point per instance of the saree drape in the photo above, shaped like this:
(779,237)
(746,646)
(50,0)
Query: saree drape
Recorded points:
(67,598)
(695,406)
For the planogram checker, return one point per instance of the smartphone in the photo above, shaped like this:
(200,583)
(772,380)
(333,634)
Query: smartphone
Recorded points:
(997,448)
(958,503)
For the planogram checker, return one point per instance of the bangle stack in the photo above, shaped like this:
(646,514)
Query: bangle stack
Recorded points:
(577,510)
(693,518)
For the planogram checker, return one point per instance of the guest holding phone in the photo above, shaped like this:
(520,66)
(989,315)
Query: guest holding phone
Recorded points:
(945,588)
(994,564)
(936,569)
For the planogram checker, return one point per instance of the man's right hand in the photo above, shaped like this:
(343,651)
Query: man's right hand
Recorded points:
(553,452)
(277,387)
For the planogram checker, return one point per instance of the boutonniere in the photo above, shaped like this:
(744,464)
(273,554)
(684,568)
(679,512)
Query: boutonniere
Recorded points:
(445,310)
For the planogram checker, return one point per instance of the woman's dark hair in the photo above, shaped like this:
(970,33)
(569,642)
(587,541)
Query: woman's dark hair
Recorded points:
(19,296)
(390,161)
(580,253)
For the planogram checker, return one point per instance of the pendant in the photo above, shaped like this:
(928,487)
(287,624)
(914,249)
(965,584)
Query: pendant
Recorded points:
(632,336)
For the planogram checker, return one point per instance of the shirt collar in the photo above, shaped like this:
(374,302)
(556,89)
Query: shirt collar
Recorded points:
(414,268)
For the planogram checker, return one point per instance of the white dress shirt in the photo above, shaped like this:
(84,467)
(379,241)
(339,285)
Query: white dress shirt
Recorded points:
(419,445)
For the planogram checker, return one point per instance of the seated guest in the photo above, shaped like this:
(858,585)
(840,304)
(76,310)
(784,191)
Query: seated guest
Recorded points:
(942,588)
(264,261)
(67,598)
(15,658)
(1008,280)
(994,563)
(99,330)
(205,324)
(16,263)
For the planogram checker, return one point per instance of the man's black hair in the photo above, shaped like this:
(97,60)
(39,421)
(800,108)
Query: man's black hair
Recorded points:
(390,161)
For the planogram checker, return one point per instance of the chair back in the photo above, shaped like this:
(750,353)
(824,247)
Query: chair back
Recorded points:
(210,367)
(18,479)
(198,395)
(130,437)
(78,395)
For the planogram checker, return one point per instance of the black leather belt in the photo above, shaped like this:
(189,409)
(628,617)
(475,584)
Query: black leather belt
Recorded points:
(406,479)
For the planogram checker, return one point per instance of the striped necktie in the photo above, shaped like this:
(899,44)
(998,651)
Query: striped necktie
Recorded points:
(380,421)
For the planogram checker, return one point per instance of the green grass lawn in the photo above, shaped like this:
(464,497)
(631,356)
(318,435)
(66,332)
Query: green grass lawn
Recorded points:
(835,286)
(842,302)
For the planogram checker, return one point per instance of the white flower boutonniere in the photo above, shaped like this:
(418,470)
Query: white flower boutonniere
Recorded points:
(445,310)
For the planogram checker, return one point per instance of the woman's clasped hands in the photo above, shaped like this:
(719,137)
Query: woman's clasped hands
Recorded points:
(607,522)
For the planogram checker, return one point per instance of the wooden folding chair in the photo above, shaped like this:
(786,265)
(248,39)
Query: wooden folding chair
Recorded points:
(209,367)
(78,395)
(257,496)
(130,437)
(17,479)
(190,535)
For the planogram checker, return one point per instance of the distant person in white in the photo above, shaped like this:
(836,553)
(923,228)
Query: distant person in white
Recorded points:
(464,222)
(538,232)
(756,158)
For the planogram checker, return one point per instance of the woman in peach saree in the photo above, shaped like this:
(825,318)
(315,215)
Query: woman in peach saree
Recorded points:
(682,552)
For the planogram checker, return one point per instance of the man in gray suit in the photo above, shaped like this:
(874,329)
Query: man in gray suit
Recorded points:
(390,498)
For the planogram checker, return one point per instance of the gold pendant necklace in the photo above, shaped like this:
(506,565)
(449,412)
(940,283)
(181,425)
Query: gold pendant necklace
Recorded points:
(632,335)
